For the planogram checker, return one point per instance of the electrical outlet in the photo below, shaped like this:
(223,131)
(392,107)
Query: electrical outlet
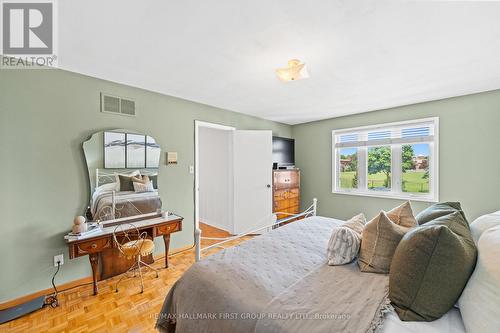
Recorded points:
(59,258)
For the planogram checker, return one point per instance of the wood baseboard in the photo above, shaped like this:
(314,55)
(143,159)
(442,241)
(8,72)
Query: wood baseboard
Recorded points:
(71,284)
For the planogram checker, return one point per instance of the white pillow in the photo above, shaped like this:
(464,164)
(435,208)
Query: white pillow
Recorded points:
(130,174)
(483,223)
(480,301)
(143,187)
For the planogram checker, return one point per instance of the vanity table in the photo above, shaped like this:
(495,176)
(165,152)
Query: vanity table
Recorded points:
(96,244)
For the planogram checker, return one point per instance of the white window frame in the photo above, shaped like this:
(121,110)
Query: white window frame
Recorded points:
(396,191)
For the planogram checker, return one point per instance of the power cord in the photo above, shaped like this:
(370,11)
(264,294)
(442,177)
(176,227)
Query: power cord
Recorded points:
(52,299)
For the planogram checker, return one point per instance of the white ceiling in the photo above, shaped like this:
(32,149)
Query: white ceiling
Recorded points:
(361,55)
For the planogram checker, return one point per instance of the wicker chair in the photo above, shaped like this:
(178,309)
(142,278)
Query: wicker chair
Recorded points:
(133,245)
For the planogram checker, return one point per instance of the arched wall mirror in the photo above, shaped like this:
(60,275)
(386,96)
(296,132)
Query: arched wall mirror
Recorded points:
(123,173)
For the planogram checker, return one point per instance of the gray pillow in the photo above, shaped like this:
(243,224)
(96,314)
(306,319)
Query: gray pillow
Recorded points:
(438,210)
(430,268)
(126,183)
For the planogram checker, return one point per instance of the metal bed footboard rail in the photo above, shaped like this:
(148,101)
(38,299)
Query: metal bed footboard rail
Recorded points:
(310,211)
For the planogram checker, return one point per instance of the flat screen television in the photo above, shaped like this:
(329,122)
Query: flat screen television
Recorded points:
(283,151)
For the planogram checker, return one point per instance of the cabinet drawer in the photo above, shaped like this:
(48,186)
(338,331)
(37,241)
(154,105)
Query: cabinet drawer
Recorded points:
(289,210)
(286,194)
(283,204)
(167,228)
(94,246)
(286,179)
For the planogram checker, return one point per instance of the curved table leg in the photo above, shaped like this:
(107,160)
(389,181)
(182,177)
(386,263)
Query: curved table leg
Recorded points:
(166,240)
(94,261)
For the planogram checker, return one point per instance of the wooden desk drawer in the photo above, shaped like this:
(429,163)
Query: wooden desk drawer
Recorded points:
(93,246)
(167,228)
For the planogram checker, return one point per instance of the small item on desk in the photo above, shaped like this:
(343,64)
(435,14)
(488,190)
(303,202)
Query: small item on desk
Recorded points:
(164,214)
(82,232)
(79,225)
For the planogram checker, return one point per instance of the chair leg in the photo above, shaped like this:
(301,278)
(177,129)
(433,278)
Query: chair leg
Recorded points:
(150,267)
(124,275)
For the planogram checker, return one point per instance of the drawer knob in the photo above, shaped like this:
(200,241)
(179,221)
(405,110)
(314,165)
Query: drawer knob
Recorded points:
(94,245)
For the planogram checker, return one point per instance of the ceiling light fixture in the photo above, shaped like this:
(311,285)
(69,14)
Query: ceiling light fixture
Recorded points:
(296,70)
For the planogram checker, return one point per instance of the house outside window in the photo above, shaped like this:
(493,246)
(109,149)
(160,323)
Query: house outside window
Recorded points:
(393,160)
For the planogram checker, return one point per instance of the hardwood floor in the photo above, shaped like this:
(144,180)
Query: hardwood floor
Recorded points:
(125,311)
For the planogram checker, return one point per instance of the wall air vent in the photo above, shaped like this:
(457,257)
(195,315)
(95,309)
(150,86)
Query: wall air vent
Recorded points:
(117,105)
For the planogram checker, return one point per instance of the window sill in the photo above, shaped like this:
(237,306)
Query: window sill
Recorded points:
(388,195)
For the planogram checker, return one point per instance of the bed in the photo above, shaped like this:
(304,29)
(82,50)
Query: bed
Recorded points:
(126,203)
(279,282)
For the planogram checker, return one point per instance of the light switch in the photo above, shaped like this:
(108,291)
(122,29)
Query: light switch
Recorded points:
(191,169)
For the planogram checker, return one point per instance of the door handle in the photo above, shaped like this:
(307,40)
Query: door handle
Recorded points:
(268,186)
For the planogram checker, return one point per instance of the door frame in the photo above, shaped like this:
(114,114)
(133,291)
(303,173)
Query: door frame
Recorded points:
(197,125)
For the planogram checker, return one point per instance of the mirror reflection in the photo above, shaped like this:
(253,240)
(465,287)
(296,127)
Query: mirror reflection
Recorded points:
(123,173)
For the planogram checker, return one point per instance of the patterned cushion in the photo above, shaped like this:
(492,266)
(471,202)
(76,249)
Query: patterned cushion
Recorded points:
(381,236)
(403,215)
(143,187)
(345,241)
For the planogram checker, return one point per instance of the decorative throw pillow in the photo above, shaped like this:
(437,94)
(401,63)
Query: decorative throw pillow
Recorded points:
(479,302)
(403,215)
(438,210)
(126,183)
(380,238)
(143,187)
(344,243)
(117,176)
(431,267)
(140,179)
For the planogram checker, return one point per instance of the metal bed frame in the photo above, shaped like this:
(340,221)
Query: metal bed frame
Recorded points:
(310,211)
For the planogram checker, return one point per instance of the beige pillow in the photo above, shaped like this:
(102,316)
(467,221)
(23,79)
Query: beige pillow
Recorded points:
(380,238)
(344,243)
(138,179)
(403,215)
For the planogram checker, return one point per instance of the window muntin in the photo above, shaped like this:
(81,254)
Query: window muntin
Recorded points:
(397,160)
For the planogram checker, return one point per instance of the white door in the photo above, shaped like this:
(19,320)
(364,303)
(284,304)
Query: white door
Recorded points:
(252,174)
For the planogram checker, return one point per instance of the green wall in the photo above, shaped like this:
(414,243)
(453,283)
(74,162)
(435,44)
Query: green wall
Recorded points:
(45,115)
(469,155)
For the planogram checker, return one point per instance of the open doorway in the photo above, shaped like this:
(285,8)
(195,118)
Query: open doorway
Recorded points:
(213,179)
(233,171)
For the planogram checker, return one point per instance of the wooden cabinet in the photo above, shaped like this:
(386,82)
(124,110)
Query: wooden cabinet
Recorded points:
(286,192)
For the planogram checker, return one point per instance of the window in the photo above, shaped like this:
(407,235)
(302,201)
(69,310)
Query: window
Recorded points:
(395,160)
